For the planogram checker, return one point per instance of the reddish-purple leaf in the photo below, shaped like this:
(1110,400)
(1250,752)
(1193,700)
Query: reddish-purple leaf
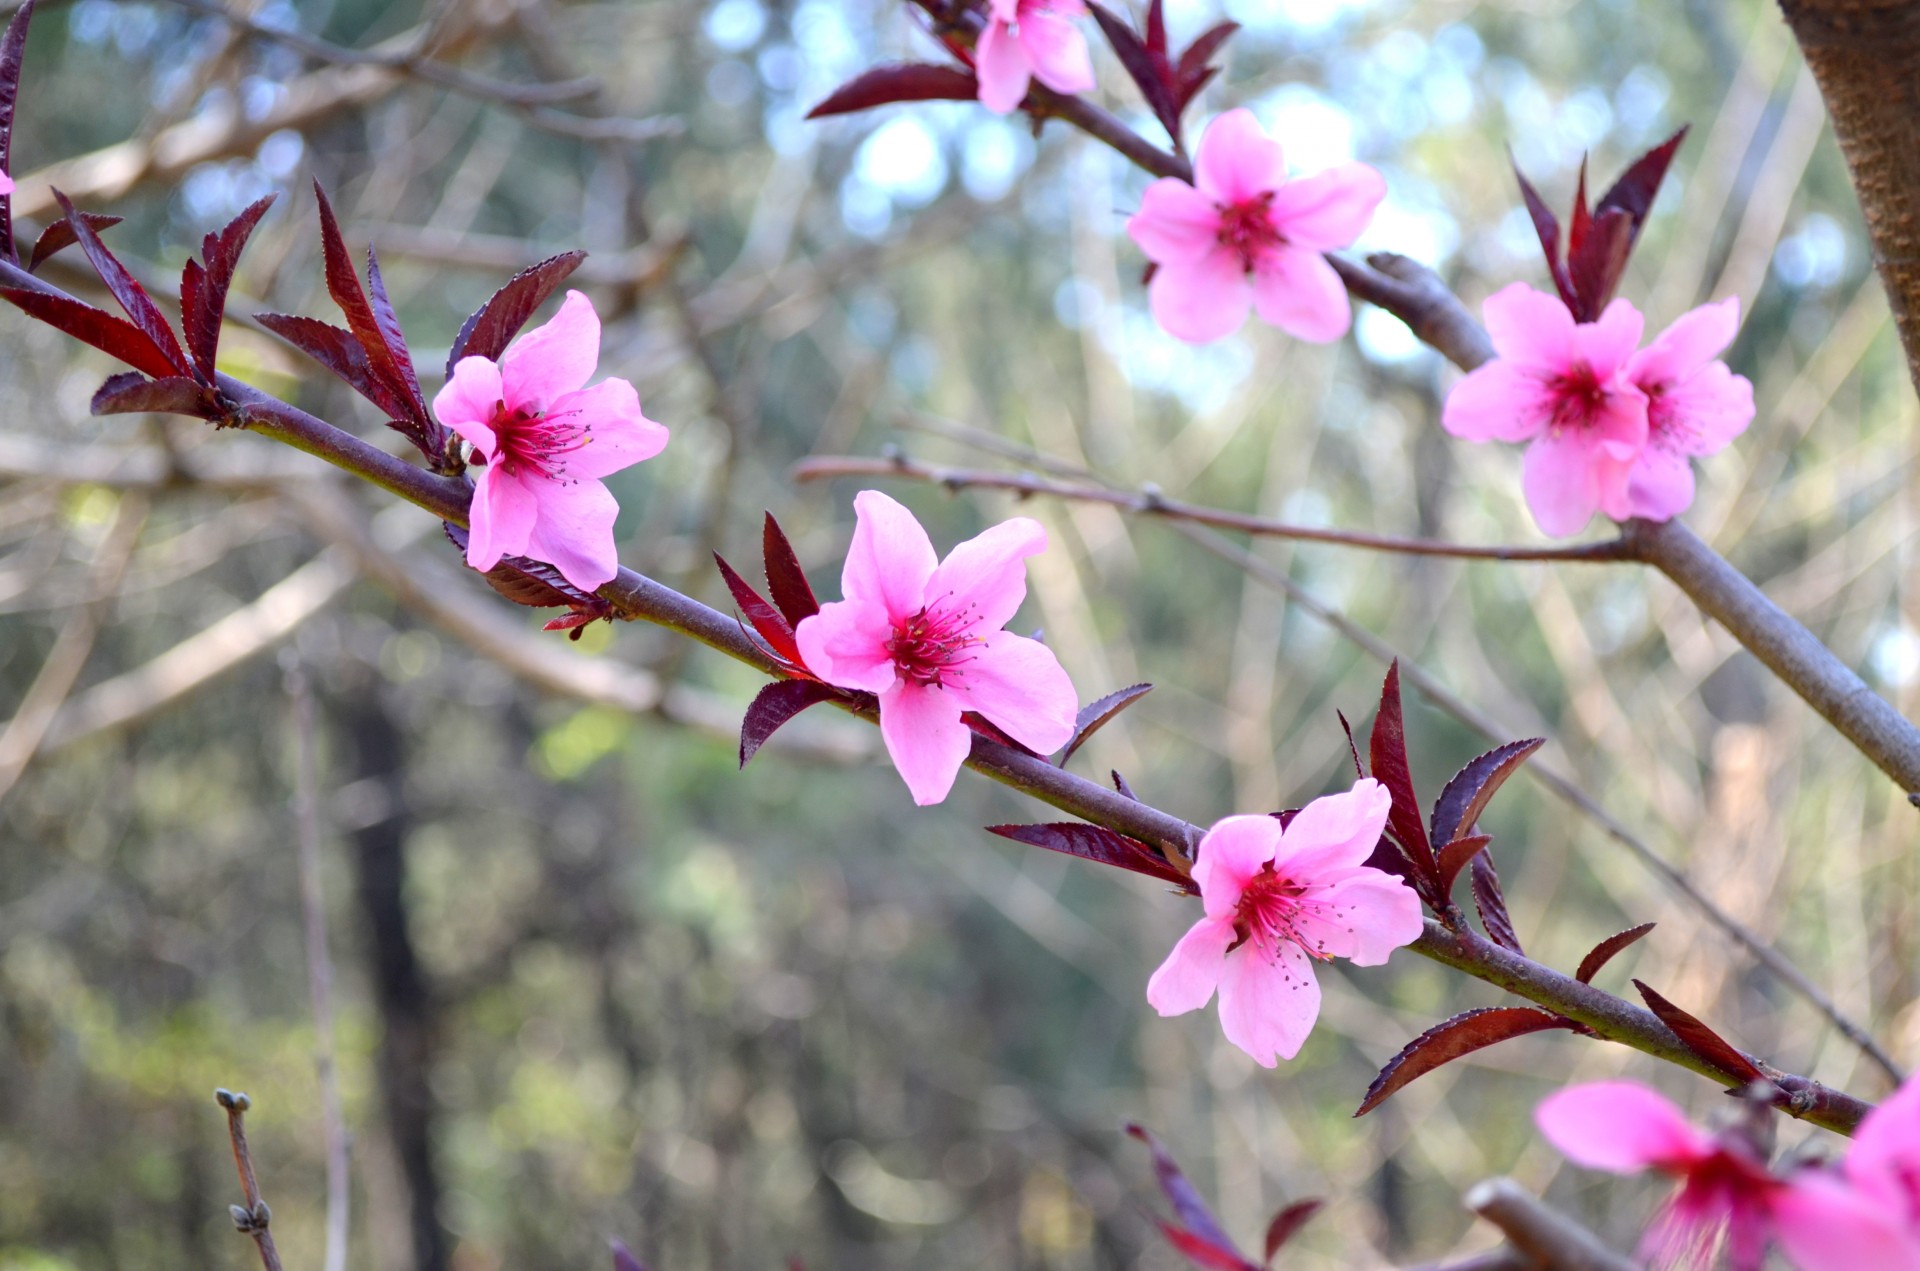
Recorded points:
(1120,784)
(1156,29)
(203,288)
(125,287)
(533,583)
(1547,227)
(1466,796)
(1193,71)
(58,236)
(1099,844)
(786,581)
(131,393)
(1446,1042)
(993,732)
(1492,904)
(1710,1046)
(1149,72)
(1637,187)
(1185,1198)
(343,284)
(1582,219)
(1096,715)
(1594,269)
(758,611)
(13,45)
(1287,1223)
(1454,857)
(898,82)
(773,706)
(339,351)
(1202,1251)
(494,324)
(1387,754)
(1190,89)
(97,327)
(574,624)
(1352,749)
(1604,952)
(393,339)
(623,1259)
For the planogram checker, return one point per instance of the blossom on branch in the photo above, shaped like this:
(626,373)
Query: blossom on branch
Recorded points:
(1564,387)
(927,637)
(1277,898)
(1866,1218)
(1025,40)
(546,441)
(1242,236)
(1695,406)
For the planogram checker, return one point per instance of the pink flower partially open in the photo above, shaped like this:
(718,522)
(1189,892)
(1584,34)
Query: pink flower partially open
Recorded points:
(927,639)
(547,440)
(1275,900)
(1695,406)
(1025,40)
(1868,1217)
(1562,386)
(1243,236)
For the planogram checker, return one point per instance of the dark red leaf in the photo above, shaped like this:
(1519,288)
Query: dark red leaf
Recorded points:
(1097,843)
(203,289)
(1190,89)
(343,284)
(623,1259)
(1203,1252)
(786,581)
(756,610)
(13,45)
(1701,1040)
(1287,1223)
(1387,755)
(1156,29)
(1389,859)
(993,732)
(533,583)
(1352,749)
(96,327)
(494,324)
(1604,952)
(1582,219)
(1446,1042)
(1637,187)
(1150,73)
(58,237)
(773,706)
(130,393)
(394,340)
(898,82)
(1492,904)
(125,287)
(336,349)
(1466,796)
(570,622)
(1096,715)
(1193,71)
(1595,268)
(1454,857)
(1187,1205)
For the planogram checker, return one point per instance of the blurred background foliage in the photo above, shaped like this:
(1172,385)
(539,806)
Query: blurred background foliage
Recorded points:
(593,981)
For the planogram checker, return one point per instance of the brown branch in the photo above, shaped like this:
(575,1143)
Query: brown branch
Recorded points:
(1151,503)
(1556,1242)
(254,1218)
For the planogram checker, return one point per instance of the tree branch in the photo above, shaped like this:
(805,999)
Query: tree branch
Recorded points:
(254,1218)
(1556,1242)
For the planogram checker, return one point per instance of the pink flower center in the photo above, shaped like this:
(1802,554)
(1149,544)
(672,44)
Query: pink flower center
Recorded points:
(536,440)
(1579,395)
(1269,916)
(1247,229)
(932,644)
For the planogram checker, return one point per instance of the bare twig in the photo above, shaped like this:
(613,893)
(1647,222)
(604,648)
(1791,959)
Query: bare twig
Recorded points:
(1556,1242)
(254,1218)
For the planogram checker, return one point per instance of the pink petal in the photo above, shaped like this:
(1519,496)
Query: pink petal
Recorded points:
(618,435)
(846,644)
(1529,328)
(1000,63)
(574,533)
(1203,300)
(987,574)
(1020,687)
(1297,291)
(553,359)
(1824,1225)
(1619,426)
(500,519)
(1561,477)
(1363,917)
(1329,209)
(1621,1127)
(1334,832)
(1701,414)
(1660,486)
(1188,977)
(890,560)
(1885,1160)
(1057,50)
(1501,401)
(468,401)
(1006,11)
(1608,343)
(1268,1008)
(925,738)
(1176,224)
(1232,852)
(1237,161)
(1695,339)
(6,184)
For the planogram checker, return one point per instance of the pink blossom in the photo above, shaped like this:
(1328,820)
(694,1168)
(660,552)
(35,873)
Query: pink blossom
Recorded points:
(927,638)
(1025,40)
(1868,1217)
(6,183)
(1275,900)
(1725,1189)
(547,441)
(1243,236)
(1695,406)
(1563,386)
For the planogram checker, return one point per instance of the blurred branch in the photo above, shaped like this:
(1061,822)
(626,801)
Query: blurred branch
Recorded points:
(1556,1242)
(254,1219)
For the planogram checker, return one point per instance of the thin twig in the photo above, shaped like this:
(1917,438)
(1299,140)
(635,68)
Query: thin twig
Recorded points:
(254,1218)
(1556,1242)
(313,917)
